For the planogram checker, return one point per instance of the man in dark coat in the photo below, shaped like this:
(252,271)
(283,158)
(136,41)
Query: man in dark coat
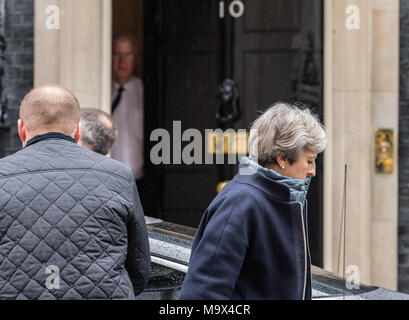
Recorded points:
(71,222)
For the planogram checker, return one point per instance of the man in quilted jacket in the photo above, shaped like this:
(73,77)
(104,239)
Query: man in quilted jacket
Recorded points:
(71,222)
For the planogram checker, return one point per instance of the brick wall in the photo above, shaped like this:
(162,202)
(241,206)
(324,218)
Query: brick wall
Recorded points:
(403,229)
(18,32)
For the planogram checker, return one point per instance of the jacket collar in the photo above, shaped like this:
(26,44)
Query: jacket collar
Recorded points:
(126,86)
(298,187)
(49,135)
(271,188)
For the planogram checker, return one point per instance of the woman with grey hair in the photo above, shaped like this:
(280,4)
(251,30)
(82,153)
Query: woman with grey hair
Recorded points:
(252,242)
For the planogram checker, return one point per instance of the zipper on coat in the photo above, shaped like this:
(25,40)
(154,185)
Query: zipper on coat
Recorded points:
(308,242)
(305,252)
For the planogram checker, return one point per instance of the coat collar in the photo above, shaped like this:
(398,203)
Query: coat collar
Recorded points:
(258,180)
(49,135)
(298,187)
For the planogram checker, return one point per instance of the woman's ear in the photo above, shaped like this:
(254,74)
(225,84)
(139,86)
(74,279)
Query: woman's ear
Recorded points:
(282,162)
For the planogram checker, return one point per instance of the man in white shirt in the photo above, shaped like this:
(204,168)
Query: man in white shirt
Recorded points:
(128,116)
(127,106)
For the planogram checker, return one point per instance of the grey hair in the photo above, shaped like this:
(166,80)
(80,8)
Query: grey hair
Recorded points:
(285,130)
(126,37)
(94,130)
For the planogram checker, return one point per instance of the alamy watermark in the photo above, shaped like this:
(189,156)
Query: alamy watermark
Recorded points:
(52,21)
(353,19)
(216,147)
(53,281)
(352,279)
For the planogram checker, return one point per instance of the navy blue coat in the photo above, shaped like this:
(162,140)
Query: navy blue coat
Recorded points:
(251,244)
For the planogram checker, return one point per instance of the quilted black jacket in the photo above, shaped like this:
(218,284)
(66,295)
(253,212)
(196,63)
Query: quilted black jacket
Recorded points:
(71,225)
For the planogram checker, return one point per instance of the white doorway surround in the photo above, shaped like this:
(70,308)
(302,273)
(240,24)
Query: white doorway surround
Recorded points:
(361,94)
(72,43)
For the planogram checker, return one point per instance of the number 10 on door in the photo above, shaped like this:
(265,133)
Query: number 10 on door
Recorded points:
(236,9)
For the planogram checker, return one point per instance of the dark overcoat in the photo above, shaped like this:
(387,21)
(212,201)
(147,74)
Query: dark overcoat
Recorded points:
(251,244)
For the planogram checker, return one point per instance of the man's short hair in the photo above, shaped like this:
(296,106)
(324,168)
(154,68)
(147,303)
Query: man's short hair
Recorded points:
(50,107)
(97,130)
(126,37)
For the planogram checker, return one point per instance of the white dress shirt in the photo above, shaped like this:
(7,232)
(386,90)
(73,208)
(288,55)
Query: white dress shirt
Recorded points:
(129,121)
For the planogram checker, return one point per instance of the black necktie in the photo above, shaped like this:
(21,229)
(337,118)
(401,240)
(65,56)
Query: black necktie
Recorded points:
(117,99)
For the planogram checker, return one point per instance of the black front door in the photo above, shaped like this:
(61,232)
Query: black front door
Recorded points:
(271,49)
